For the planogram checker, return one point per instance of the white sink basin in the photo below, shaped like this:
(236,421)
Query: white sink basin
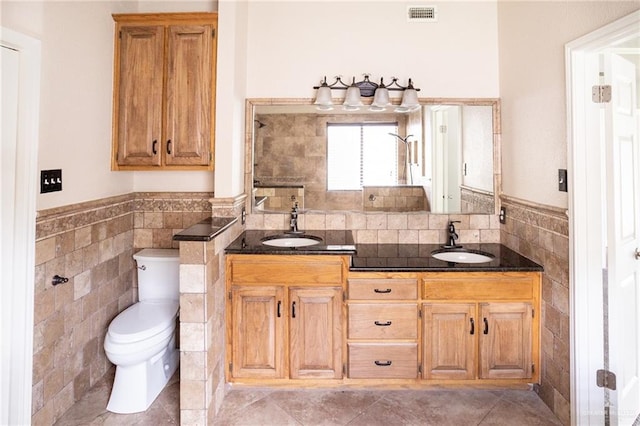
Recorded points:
(462,256)
(291,240)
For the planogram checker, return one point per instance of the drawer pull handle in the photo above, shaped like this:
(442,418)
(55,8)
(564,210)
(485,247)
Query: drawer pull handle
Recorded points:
(377,290)
(382,324)
(486,326)
(382,363)
(473,327)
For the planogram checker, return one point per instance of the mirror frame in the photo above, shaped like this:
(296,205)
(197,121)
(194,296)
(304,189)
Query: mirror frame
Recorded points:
(252,103)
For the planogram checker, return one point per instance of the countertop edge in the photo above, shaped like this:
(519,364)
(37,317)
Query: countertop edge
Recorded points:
(205,230)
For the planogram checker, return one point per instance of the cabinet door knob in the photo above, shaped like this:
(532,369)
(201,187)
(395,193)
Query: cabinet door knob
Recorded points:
(382,324)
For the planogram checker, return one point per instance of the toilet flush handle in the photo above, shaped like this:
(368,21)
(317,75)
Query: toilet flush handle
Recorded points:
(144,268)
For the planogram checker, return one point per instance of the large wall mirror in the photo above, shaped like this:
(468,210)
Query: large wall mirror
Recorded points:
(443,157)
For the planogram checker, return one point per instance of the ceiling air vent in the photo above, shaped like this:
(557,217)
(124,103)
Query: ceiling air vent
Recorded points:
(422,14)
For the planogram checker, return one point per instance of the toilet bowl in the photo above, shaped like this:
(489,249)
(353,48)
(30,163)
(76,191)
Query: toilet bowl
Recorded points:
(141,340)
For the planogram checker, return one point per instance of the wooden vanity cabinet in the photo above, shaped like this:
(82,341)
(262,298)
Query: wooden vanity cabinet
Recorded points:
(164,91)
(285,317)
(480,326)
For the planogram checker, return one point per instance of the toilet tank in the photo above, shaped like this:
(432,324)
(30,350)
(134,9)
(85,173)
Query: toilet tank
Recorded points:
(158,274)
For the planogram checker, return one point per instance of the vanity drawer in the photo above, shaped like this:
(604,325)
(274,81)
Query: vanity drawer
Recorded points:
(283,269)
(383,321)
(383,361)
(479,287)
(382,289)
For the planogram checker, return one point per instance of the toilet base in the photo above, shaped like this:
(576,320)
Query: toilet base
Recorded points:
(135,387)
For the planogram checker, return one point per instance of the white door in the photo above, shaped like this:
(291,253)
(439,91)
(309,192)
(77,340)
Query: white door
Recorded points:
(623,230)
(20,91)
(9,116)
(447,158)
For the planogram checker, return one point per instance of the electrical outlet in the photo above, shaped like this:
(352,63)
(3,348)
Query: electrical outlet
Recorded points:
(503,215)
(50,180)
(562,180)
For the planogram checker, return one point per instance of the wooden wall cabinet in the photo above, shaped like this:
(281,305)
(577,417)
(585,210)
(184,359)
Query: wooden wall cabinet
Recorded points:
(285,317)
(164,91)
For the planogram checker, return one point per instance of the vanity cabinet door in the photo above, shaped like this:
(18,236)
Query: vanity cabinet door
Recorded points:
(449,341)
(315,326)
(258,332)
(506,340)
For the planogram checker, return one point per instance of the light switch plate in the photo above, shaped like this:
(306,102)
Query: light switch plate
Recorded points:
(50,180)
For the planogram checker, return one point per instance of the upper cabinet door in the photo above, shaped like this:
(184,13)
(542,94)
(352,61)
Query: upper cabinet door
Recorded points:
(189,95)
(138,81)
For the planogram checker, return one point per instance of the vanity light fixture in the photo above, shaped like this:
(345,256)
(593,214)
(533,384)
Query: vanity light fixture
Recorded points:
(366,89)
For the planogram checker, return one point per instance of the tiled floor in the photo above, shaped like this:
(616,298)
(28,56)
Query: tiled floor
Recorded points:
(460,407)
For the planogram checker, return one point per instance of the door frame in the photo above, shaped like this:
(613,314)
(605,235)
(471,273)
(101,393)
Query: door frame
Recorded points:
(585,248)
(17,349)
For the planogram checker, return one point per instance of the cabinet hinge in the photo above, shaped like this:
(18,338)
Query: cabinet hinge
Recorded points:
(230,367)
(419,312)
(533,368)
(213,33)
(344,297)
(120,34)
(606,379)
(533,313)
(601,94)
(230,297)
(419,369)
(210,157)
(344,369)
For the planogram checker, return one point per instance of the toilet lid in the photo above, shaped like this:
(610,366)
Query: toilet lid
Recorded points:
(143,320)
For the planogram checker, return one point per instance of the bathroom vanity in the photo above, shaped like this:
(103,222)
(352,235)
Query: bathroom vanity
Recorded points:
(337,313)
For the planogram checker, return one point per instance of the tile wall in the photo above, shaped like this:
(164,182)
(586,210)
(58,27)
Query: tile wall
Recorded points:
(203,321)
(373,227)
(92,245)
(542,234)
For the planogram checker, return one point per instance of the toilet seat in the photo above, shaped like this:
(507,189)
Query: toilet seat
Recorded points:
(143,320)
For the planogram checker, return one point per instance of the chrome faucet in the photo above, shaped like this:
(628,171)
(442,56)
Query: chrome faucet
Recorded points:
(453,236)
(293,223)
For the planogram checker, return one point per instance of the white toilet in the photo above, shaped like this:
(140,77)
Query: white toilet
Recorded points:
(141,339)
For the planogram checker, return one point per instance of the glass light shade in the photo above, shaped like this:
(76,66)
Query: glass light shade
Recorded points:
(381,97)
(410,98)
(352,98)
(324,96)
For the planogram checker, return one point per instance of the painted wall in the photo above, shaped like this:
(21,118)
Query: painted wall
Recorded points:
(76,97)
(532,36)
(292,45)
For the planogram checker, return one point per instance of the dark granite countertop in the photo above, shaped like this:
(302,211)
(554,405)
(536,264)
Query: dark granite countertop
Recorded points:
(205,230)
(417,257)
(333,242)
(385,257)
